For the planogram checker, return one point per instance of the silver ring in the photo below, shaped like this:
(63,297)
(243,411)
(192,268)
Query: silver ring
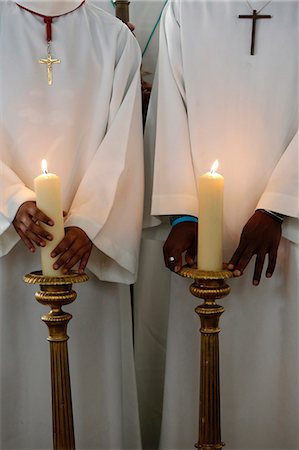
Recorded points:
(171,259)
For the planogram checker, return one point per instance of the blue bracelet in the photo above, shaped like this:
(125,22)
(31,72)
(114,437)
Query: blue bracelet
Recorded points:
(180,219)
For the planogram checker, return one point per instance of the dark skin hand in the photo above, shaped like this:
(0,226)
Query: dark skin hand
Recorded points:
(74,248)
(27,224)
(260,236)
(182,238)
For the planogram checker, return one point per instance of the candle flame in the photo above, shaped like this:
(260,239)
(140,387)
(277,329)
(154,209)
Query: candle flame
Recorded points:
(44,166)
(214,167)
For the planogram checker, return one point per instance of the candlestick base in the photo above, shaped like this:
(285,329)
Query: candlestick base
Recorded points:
(210,286)
(56,292)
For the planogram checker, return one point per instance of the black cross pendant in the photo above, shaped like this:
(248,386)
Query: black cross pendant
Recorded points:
(254,16)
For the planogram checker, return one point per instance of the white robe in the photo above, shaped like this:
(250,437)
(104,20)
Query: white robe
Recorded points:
(145,15)
(213,100)
(88,126)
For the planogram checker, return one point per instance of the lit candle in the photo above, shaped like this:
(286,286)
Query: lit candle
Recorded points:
(48,200)
(210,221)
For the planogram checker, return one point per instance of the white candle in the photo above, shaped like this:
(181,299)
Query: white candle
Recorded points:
(210,220)
(48,200)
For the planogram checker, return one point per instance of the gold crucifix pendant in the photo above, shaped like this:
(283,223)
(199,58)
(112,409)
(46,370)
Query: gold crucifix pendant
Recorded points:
(49,61)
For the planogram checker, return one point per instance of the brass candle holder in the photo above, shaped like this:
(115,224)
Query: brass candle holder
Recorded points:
(210,286)
(56,292)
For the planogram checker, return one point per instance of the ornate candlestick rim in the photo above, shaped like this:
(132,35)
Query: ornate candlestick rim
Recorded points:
(196,274)
(38,278)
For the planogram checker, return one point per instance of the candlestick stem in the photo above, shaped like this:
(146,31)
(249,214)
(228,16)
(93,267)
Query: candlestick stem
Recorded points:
(56,292)
(209,286)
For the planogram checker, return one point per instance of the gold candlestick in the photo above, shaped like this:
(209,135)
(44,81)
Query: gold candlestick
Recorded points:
(209,286)
(56,292)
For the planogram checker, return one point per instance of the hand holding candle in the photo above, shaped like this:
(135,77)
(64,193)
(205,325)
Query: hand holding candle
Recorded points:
(210,223)
(48,200)
(27,223)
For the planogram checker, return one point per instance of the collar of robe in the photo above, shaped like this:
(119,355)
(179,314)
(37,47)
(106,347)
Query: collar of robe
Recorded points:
(49,10)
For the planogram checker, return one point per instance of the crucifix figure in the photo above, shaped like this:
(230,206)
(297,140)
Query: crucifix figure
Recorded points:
(49,61)
(254,16)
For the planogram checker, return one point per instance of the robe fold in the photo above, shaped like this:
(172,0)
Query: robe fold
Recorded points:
(88,125)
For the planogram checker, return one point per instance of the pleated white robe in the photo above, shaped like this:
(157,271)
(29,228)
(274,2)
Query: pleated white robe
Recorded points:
(213,100)
(88,126)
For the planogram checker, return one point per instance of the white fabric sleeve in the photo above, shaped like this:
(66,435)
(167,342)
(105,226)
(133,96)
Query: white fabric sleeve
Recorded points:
(281,193)
(109,200)
(13,193)
(174,191)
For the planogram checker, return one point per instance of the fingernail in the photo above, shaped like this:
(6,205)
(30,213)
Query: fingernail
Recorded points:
(268,275)
(53,254)
(32,249)
(50,222)
(49,237)
(65,271)
(55,266)
(237,273)
(42,244)
(255,282)
(230,266)
(176,269)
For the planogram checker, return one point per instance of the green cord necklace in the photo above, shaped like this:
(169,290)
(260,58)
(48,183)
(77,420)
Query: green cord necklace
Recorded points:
(154,28)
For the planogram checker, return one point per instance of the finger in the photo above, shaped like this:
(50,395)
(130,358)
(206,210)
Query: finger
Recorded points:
(233,262)
(71,262)
(242,262)
(271,263)
(83,262)
(41,217)
(258,268)
(38,230)
(173,262)
(35,214)
(63,246)
(190,257)
(70,255)
(26,241)
(190,260)
(29,227)
(64,258)
(31,235)
(80,255)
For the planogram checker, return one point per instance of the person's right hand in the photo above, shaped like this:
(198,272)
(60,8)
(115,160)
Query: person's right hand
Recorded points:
(27,224)
(260,237)
(182,238)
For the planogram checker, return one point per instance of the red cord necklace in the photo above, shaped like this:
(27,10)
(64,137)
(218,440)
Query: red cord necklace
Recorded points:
(49,61)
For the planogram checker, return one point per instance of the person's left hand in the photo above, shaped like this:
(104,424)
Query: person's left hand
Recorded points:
(260,236)
(75,247)
(182,240)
